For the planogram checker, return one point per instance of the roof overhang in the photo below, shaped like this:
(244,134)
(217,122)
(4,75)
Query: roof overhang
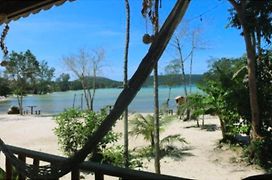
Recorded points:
(15,9)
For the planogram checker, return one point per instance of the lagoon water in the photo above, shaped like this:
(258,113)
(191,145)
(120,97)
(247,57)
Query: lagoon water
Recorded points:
(56,102)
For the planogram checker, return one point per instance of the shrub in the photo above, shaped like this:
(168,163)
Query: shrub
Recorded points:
(75,126)
(259,152)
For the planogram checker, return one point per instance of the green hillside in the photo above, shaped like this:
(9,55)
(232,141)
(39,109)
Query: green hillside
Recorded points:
(164,80)
(101,82)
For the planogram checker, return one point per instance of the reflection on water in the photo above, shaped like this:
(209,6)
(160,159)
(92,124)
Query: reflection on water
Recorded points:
(56,102)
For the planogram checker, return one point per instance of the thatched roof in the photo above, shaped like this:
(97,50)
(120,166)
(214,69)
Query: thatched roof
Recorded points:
(15,9)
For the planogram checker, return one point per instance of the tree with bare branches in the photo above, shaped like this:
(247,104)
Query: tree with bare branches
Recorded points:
(84,65)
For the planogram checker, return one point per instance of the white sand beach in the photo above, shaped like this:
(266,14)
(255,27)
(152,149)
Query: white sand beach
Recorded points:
(203,159)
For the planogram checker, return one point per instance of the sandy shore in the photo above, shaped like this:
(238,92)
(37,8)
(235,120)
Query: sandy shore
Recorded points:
(202,160)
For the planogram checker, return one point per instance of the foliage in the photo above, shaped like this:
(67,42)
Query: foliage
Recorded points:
(2,173)
(15,175)
(226,94)
(198,104)
(227,86)
(143,125)
(174,80)
(168,148)
(22,68)
(259,152)
(265,91)
(258,17)
(75,126)
(115,156)
(27,75)
(45,76)
(62,82)
(4,87)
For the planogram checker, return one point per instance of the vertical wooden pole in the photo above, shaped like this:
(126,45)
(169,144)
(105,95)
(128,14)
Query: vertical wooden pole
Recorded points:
(22,157)
(8,170)
(98,176)
(75,174)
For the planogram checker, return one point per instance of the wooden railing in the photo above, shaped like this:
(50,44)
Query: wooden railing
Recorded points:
(99,170)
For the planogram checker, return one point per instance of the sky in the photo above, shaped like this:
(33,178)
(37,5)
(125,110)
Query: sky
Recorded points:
(94,24)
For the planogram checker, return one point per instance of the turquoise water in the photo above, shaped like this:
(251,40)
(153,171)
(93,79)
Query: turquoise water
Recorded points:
(58,101)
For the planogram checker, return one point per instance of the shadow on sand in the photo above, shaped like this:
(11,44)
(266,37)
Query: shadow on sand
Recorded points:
(176,153)
(207,127)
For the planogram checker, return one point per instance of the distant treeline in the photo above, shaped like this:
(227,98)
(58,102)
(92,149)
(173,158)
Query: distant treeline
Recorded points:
(102,82)
(63,83)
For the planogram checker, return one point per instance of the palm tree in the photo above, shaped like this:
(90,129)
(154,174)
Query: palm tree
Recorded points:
(126,155)
(144,126)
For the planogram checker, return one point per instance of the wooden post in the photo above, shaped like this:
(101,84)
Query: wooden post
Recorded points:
(36,163)
(74,100)
(22,157)
(98,176)
(75,174)
(8,170)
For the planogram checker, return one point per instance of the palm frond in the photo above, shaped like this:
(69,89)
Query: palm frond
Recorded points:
(173,138)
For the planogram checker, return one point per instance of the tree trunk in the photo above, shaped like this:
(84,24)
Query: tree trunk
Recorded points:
(223,128)
(168,99)
(183,77)
(94,87)
(20,103)
(126,153)
(251,63)
(85,91)
(127,95)
(191,62)
(156,100)
(156,122)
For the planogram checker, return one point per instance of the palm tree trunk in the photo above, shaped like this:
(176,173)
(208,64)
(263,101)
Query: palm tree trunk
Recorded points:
(156,121)
(127,95)
(156,100)
(126,153)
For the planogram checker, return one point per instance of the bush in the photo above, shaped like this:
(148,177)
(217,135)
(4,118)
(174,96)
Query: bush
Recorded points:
(75,126)
(259,152)
(115,156)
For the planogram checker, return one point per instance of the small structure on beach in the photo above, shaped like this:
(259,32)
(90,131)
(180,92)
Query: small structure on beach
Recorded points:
(180,100)
(14,110)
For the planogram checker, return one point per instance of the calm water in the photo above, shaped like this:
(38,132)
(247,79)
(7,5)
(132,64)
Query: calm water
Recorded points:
(58,101)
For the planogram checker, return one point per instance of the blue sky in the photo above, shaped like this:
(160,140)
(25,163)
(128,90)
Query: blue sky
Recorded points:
(92,24)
